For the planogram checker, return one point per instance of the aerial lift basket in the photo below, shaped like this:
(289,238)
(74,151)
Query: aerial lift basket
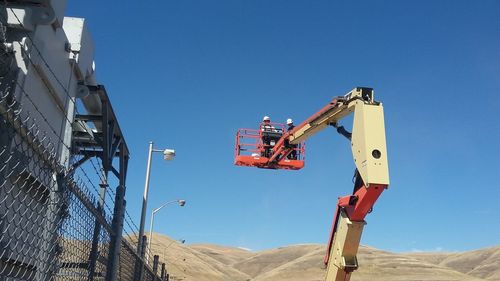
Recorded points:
(251,151)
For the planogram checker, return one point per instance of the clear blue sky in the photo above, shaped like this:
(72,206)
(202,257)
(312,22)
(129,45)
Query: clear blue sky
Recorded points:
(187,74)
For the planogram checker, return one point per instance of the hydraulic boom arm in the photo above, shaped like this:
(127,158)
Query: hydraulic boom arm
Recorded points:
(372,175)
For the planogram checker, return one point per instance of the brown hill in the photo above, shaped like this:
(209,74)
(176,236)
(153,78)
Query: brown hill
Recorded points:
(189,264)
(269,260)
(381,265)
(482,263)
(206,262)
(226,255)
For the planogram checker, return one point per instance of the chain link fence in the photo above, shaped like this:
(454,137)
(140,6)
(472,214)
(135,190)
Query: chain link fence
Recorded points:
(59,218)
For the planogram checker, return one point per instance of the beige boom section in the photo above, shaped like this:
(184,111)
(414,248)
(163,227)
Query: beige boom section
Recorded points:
(368,144)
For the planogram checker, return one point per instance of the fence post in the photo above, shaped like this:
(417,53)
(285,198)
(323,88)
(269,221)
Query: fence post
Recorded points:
(162,274)
(156,260)
(94,253)
(117,224)
(116,238)
(139,263)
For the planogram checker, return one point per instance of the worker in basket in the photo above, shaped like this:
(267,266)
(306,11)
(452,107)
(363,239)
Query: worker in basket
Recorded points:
(290,127)
(269,136)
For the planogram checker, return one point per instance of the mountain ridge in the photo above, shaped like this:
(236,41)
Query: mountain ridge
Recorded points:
(209,262)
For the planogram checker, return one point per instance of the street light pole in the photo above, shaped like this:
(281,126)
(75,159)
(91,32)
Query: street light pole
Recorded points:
(181,203)
(168,155)
(145,198)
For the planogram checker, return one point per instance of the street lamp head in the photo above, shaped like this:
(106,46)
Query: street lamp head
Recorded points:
(168,154)
(181,202)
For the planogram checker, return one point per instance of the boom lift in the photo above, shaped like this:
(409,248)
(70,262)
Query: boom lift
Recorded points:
(370,158)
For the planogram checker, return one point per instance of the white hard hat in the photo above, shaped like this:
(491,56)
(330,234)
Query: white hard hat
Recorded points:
(266,118)
(289,121)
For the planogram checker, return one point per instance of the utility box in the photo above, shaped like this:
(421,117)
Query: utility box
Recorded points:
(81,47)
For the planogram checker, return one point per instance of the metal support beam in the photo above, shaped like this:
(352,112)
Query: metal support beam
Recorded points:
(88,117)
(118,217)
(94,252)
(79,163)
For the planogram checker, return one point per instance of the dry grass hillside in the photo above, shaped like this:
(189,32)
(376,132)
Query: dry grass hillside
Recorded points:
(206,262)
(484,263)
